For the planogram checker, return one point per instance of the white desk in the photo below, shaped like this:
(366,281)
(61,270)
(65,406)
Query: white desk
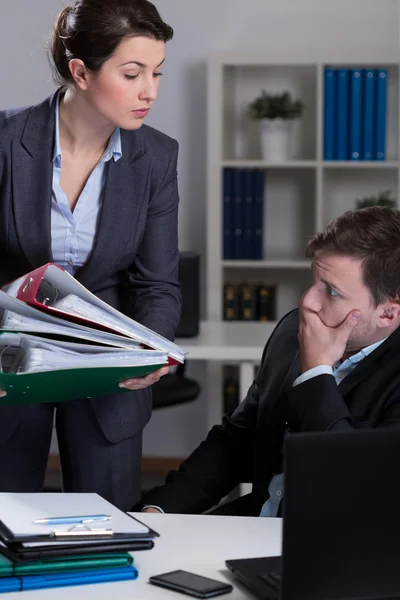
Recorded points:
(196,543)
(225,342)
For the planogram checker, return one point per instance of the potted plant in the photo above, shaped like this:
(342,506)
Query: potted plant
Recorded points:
(380,199)
(276,113)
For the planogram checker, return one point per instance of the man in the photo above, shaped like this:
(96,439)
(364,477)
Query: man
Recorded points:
(334,364)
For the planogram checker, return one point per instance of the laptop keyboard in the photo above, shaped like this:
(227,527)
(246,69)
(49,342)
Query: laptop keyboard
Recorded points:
(273,579)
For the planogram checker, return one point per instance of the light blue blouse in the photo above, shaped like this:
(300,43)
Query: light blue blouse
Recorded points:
(72,233)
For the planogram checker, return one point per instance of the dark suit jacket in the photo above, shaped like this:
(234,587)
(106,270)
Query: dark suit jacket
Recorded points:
(247,447)
(134,262)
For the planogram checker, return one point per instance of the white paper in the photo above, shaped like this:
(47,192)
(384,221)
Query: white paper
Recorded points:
(19,510)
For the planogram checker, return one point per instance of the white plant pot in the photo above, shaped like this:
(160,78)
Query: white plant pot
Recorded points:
(275,139)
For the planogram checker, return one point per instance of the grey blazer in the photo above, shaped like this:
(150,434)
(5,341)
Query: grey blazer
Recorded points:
(134,262)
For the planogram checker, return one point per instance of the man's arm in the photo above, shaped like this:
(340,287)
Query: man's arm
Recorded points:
(318,405)
(315,398)
(226,457)
(222,461)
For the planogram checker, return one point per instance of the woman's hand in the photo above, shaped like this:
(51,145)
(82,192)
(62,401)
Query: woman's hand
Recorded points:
(143,382)
(3,393)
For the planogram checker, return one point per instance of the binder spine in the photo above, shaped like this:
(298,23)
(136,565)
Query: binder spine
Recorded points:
(258,215)
(342,110)
(249,200)
(355,114)
(329,113)
(227,218)
(238,214)
(381,110)
(369,113)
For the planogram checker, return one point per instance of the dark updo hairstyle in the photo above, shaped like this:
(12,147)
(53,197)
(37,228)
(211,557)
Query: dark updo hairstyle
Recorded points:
(91,30)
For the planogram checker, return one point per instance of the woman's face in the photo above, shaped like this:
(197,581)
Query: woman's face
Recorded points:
(124,89)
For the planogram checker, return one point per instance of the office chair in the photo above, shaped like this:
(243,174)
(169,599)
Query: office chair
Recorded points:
(175,388)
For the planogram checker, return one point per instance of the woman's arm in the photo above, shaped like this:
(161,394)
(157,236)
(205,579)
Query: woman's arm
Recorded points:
(153,278)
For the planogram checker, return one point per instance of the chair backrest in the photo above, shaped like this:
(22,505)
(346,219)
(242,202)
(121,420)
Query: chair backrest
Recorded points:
(189,278)
(175,388)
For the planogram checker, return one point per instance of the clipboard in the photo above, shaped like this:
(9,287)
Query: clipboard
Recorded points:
(19,512)
(59,283)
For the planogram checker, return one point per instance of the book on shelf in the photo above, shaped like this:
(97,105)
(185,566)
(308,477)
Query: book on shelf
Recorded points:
(231,302)
(355,113)
(368,143)
(249,302)
(227,195)
(243,210)
(231,395)
(356,107)
(342,116)
(266,299)
(329,113)
(380,114)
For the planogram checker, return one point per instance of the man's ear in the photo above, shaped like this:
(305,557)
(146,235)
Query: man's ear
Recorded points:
(390,314)
(79,72)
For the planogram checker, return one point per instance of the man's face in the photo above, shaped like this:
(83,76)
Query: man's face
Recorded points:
(338,289)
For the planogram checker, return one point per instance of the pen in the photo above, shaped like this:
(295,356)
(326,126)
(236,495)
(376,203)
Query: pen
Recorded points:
(72,520)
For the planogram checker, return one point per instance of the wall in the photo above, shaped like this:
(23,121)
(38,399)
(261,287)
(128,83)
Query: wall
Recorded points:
(200,27)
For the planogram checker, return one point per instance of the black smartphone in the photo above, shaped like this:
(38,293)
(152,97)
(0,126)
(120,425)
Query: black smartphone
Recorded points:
(191,584)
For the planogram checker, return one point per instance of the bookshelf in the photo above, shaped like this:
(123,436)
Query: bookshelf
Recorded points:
(301,195)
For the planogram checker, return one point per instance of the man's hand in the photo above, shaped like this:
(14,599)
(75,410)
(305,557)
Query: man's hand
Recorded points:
(322,345)
(3,393)
(150,509)
(143,382)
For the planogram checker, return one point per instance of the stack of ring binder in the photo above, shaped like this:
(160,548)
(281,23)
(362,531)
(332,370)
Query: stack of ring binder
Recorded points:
(60,539)
(56,336)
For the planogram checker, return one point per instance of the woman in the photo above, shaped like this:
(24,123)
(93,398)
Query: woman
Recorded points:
(84,184)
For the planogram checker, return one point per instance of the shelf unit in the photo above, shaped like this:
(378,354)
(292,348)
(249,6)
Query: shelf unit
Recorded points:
(303,194)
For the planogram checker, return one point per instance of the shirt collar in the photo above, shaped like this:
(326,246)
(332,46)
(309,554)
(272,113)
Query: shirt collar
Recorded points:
(113,150)
(356,358)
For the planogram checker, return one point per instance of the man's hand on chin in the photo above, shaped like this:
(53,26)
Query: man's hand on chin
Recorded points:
(322,345)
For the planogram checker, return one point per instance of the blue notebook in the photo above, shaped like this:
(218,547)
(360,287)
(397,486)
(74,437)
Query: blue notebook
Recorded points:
(50,580)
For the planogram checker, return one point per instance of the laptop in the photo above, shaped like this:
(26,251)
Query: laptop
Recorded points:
(341,520)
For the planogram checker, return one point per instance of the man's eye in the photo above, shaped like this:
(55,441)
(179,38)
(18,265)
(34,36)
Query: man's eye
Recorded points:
(331,292)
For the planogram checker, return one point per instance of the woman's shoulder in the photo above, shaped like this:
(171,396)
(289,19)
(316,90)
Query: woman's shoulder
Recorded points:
(154,140)
(12,118)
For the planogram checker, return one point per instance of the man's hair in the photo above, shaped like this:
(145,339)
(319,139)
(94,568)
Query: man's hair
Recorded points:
(371,235)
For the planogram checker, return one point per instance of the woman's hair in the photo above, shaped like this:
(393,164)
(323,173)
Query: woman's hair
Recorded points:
(371,235)
(91,30)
